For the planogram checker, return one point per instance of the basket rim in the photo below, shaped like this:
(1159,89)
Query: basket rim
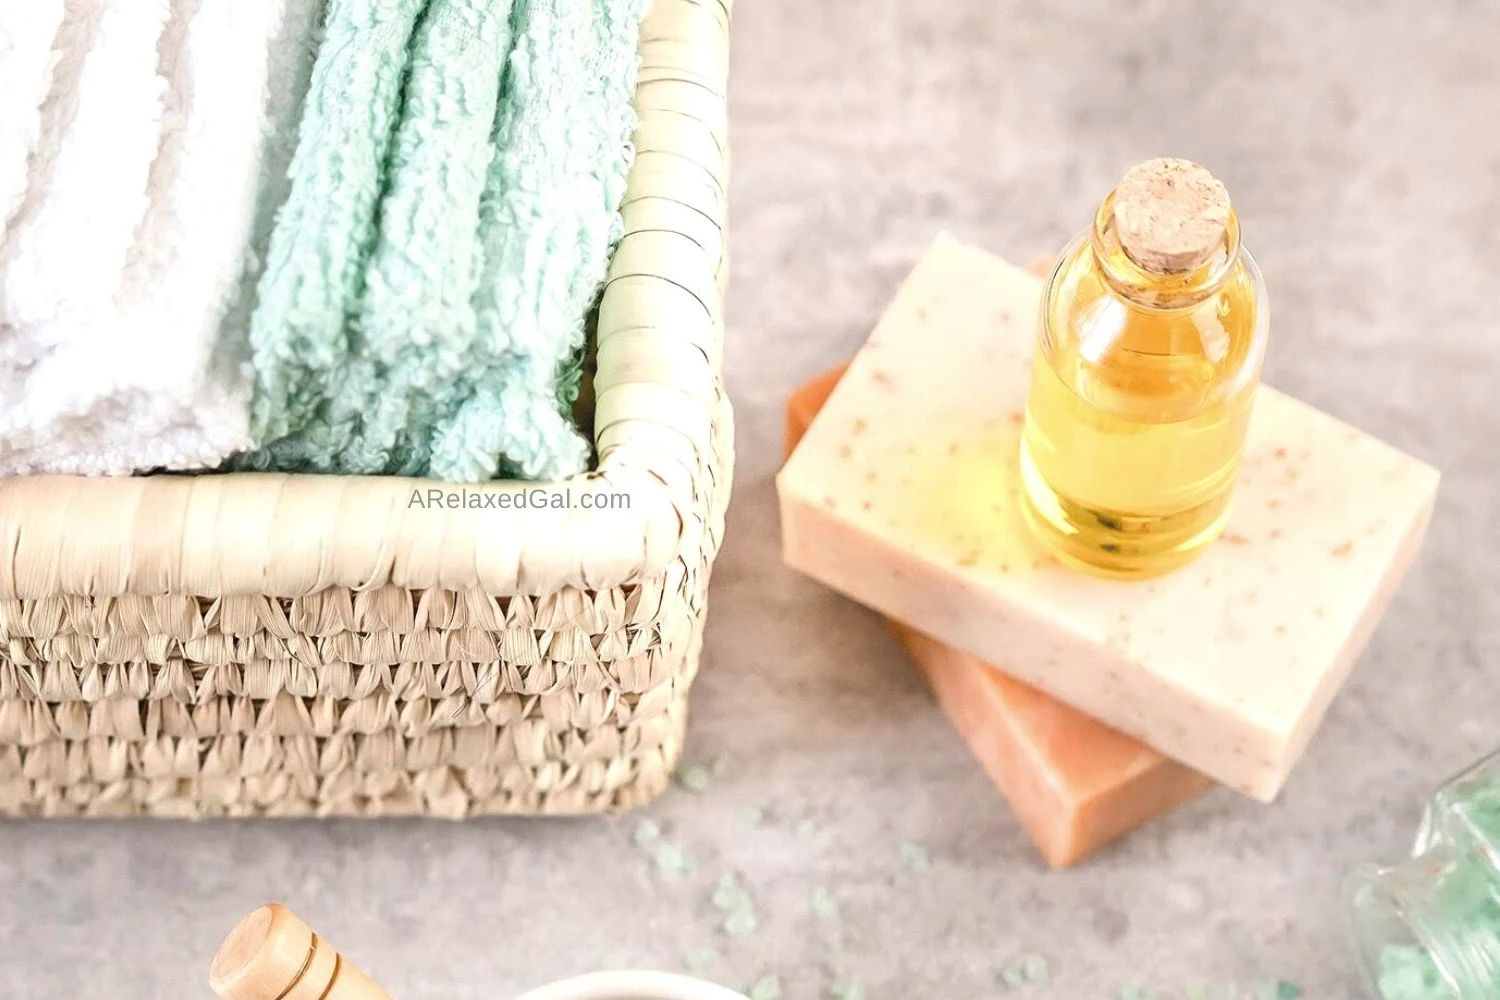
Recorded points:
(656,404)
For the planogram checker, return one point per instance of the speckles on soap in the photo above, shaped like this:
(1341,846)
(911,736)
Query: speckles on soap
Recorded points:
(867,505)
(805,828)
(883,379)
(830,503)
(1235,538)
(1277,989)
(1281,629)
(846,452)
(859,426)
(1018,418)
(822,904)
(646,833)
(1343,550)
(1280,453)
(755,816)
(699,960)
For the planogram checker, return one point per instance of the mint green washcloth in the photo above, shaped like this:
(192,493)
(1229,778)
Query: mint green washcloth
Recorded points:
(454,351)
(548,221)
(410,334)
(315,267)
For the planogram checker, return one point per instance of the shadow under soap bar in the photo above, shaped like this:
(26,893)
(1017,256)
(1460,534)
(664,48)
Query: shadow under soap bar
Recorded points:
(903,496)
(1076,784)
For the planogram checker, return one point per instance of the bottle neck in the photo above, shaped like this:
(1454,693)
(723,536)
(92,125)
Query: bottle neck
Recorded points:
(1431,922)
(1155,290)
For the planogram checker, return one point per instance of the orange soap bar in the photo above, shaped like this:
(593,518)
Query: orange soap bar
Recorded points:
(1075,783)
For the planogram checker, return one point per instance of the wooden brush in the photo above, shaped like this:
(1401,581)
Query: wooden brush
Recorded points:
(272,955)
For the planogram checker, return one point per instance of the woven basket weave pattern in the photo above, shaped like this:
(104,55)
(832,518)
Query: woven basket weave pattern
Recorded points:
(290,645)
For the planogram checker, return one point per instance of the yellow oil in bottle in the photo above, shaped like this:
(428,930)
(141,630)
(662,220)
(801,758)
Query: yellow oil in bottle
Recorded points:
(1142,385)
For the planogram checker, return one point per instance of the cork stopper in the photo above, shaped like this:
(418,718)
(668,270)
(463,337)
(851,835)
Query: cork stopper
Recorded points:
(272,955)
(1170,215)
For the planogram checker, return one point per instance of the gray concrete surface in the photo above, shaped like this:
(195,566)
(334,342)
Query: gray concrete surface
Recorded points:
(1359,142)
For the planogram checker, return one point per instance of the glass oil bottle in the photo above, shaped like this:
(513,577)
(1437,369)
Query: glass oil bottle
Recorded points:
(1152,335)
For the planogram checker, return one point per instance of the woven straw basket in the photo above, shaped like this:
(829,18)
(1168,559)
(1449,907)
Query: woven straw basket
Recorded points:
(291,645)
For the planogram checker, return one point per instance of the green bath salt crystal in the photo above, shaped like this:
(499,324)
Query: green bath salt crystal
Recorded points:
(694,778)
(672,862)
(846,989)
(914,856)
(822,903)
(766,988)
(740,923)
(1035,970)
(730,894)
(1026,969)
(700,960)
(646,833)
(1429,929)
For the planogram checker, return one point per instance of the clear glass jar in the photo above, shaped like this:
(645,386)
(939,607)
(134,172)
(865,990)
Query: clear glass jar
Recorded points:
(1429,928)
(1149,352)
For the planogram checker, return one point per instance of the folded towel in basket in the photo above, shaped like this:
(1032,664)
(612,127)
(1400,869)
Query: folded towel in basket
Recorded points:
(27,58)
(123,265)
(340,372)
(550,218)
(437,333)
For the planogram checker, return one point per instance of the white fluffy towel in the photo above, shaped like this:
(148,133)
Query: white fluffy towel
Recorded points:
(125,265)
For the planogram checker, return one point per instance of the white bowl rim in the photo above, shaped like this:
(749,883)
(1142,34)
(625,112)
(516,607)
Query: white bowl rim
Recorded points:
(632,984)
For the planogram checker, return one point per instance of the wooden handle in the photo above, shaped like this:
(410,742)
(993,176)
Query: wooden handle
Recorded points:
(272,955)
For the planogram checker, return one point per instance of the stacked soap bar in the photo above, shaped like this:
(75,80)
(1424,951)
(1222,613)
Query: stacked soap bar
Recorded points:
(1075,783)
(903,495)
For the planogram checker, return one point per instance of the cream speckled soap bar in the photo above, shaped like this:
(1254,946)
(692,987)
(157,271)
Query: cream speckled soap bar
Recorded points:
(903,496)
(1076,784)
